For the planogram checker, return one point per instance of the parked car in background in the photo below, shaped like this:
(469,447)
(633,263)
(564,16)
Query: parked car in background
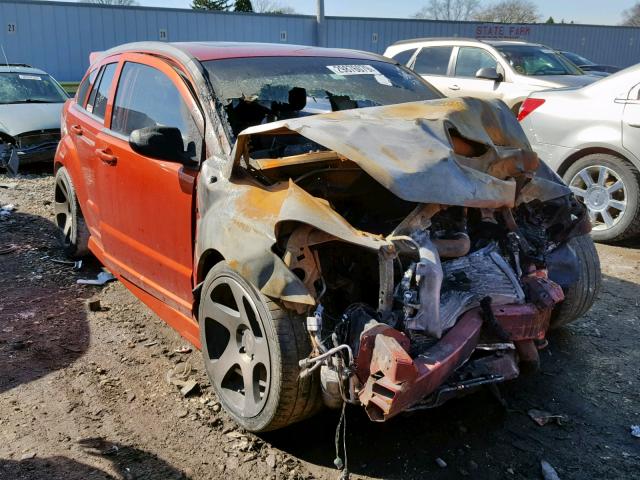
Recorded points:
(358,255)
(589,66)
(591,137)
(30,105)
(508,70)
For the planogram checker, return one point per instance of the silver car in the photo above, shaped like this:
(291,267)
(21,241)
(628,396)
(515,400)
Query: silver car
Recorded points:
(591,137)
(507,70)
(30,106)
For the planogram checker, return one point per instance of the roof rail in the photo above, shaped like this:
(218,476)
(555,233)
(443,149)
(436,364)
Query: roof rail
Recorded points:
(434,39)
(15,65)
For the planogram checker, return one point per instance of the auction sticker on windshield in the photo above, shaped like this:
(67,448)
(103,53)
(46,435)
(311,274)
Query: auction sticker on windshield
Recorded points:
(353,69)
(29,77)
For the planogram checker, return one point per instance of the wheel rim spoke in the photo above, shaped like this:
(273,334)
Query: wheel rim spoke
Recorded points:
(227,360)
(578,192)
(603,174)
(251,393)
(586,178)
(615,187)
(593,216)
(608,219)
(224,315)
(617,205)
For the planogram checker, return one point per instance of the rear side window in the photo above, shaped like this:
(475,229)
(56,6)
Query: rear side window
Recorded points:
(146,97)
(83,89)
(433,61)
(403,57)
(97,103)
(472,59)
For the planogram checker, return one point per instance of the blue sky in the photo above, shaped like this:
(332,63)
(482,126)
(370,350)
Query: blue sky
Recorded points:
(583,11)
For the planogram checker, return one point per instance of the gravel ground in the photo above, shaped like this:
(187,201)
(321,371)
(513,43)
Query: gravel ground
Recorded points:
(84,394)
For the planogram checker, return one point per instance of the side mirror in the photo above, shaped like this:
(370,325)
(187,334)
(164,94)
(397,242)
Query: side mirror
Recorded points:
(162,143)
(489,73)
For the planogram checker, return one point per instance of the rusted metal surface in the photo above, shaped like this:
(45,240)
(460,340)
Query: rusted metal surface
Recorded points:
(439,176)
(523,322)
(385,396)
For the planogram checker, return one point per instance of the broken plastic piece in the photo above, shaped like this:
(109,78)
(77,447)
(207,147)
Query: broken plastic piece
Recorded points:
(101,279)
(542,418)
(548,472)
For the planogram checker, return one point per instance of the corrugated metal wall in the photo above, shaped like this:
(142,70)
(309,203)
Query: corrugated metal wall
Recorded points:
(58,36)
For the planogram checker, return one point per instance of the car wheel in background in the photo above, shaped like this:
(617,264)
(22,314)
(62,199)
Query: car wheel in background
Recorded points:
(251,348)
(72,229)
(609,186)
(579,297)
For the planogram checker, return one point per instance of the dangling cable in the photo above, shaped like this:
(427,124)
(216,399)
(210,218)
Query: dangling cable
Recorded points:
(338,462)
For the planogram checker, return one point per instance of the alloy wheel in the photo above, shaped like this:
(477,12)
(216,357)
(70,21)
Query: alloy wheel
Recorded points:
(62,210)
(236,350)
(603,192)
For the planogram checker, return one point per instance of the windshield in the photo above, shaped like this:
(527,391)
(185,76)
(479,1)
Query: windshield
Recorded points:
(259,90)
(30,87)
(533,60)
(577,59)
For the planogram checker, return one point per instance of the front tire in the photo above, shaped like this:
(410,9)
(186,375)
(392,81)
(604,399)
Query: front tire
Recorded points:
(609,186)
(579,297)
(73,233)
(251,348)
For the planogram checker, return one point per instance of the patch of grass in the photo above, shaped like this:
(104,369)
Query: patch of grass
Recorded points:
(70,87)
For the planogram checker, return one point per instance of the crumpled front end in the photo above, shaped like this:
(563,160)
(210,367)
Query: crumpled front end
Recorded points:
(26,148)
(425,244)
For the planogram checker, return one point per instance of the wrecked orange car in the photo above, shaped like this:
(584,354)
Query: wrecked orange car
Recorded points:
(321,223)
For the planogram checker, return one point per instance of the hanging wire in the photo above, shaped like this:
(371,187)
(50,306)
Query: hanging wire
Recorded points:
(338,462)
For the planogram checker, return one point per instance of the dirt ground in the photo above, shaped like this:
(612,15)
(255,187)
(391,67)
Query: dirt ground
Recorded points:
(84,395)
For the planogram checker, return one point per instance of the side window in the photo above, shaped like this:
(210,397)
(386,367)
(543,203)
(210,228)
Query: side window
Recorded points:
(83,89)
(403,57)
(97,103)
(146,97)
(433,61)
(472,59)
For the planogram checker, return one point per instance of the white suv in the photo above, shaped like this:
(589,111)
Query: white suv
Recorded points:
(508,70)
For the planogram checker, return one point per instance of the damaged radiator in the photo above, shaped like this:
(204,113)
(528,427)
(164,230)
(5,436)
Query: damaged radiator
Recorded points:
(467,280)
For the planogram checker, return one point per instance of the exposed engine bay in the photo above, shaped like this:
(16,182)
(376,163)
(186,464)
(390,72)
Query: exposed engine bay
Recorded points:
(420,241)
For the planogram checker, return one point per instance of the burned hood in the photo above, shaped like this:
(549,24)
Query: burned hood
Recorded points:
(18,118)
(408,148)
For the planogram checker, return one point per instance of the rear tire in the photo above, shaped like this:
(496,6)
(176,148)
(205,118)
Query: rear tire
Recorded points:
(579,297)
(233,336)
(73,233)
(621,173)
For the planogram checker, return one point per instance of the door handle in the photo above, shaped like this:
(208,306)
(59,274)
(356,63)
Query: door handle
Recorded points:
(77,129)
(634,124)
(107,157)
(454,87)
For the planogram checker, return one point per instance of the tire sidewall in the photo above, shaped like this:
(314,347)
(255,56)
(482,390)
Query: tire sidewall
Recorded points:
(264,418)
(624,170)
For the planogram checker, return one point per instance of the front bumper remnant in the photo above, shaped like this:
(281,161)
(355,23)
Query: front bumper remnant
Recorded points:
(394,382)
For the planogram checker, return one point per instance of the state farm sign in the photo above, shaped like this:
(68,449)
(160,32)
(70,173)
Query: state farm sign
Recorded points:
(503,30)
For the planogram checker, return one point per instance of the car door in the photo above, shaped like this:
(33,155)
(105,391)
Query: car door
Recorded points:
(148,221)
(468,61)
(631,120)
(86,120)
(432,63)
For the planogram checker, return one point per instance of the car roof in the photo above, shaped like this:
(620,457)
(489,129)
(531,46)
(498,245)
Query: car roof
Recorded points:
(204,51)
(20,68)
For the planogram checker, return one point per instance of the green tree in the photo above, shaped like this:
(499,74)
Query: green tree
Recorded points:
(222,5)
(550,20)
(243,6)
